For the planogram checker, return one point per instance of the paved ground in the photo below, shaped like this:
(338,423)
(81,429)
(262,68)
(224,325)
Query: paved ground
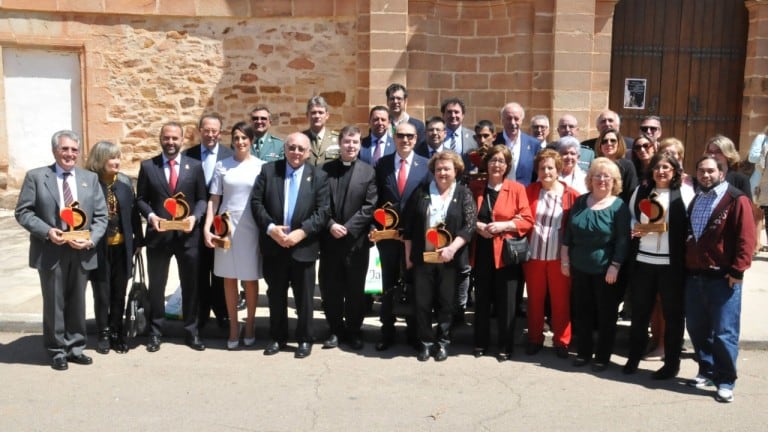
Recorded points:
(341,390)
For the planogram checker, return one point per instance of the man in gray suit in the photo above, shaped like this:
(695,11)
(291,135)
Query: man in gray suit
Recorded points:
(62,265)
(457,137)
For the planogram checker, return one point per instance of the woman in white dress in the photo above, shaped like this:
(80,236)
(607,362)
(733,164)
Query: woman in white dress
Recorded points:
(230,188)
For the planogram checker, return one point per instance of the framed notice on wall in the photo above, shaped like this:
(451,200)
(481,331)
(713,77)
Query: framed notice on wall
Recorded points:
(634,93)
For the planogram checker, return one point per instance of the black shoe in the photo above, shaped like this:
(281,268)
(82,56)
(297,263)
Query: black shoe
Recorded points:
(599,366)
(59,363)
(561,352)
(666,372)
(303,351)
(153,345)
(102,345)
(441,353)
(195,342)
(117,343)
(331,342)
(423,354)
(478,352)
(384,344)
(580,361)
(355,343)
(630,367)
(81,359)
(533,348)
(502,357)
(273,348)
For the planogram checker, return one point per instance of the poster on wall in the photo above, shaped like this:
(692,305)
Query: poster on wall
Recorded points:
(634,93)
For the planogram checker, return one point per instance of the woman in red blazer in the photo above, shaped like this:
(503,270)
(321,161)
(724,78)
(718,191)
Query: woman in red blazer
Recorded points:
(502,212)
(550,200)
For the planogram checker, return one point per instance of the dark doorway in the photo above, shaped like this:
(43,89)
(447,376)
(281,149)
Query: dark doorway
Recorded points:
(691,55)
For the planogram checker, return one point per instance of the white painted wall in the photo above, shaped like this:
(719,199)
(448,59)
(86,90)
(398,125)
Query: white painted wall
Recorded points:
(42,96)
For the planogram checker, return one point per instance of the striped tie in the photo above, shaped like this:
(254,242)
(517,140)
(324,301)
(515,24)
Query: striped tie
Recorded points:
(68,199)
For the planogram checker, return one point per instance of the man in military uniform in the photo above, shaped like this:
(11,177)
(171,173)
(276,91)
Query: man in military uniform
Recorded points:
(266,146)
(324,142)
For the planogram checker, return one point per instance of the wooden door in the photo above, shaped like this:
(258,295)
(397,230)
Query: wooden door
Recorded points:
(691,54)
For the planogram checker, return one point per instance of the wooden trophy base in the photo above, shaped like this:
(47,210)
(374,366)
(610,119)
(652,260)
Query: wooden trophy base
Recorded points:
(651,227)
(385,235)
(432,257)
(222,243)
(76,235)
(175,225)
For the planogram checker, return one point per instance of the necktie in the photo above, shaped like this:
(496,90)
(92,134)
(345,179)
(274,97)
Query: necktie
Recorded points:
(66,190)
(293,193)
(172,176)
(452,141)
(377,151)
(401,177)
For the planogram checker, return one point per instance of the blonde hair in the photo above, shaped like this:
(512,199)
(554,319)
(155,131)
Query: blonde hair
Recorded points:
(674,143)
(613,170)
(727,147)
(100,154)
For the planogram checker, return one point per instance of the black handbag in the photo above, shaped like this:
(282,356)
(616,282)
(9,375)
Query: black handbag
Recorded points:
(137,309)
(514,251)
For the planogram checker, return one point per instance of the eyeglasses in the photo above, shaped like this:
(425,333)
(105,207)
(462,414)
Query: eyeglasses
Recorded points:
(405,136)
(256,118)
(609,141)
(296,148)
(602,177)
(648,128)
(539,127)
(69,149)
(714,150)
(663,168)
(497,162)
(638,147)
(435,130)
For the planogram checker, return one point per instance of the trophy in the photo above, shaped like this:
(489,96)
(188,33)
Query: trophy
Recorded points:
(75,218)
(476,180)
(438,237)
(655,213)
(222,228)
(388,218)
(179,210)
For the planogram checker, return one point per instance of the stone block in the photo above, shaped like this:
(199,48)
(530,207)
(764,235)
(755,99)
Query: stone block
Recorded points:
(138,7)
(271,8)
(388,22)
(460,63)
(491,63)
(38,5)
(440,80)
(312,8)
(514,44)
(493,27)
(470,10)
(471,81)
(396,6)
(223,8)
(389,60)
(457,27)
(485,45)
(91,6)
(301,63)
(386,41)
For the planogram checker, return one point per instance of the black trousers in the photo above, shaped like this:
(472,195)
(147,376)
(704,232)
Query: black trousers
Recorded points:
(391,253)
(210,287)
(434,285)
(593,298)
(109,287)
(342,287)
(280,272)
(648,281)
(500,287)
(158,260)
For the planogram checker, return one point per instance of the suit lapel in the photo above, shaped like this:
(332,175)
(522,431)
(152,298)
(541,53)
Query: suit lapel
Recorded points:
(53,187)
(160,175)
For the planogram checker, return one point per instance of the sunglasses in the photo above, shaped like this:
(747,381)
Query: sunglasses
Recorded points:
(638,147)
(648,128)
(409,136)
(254,118)
(296,148)
(609,141)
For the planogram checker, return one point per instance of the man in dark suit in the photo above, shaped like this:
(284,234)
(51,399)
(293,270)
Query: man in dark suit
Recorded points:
(291,207)
(160,178)
(62,265)
(210,287)
(435,138)
(457,137)
(523,146)
(344,245)
(397,102)
(379,142)
(393,189)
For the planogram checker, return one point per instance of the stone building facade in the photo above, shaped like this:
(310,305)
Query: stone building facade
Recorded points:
(145,62)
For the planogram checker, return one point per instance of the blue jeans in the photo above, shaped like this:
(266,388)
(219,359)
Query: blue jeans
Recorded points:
(713,313)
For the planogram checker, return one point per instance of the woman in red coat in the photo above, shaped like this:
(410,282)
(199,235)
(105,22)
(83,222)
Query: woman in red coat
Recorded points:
(550,200)
(502,212)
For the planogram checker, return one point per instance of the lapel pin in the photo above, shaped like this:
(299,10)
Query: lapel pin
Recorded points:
(309,178)
(186,167)
(85,185)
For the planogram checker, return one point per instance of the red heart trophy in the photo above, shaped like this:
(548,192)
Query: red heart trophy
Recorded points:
(654,211)
(222,228)
(437,237)
(75,218)
(477,178)
(178,209)
(387,218)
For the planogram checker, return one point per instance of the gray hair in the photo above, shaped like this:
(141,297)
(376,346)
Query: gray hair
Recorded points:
(540,117)
(65,134)
(100,154)
(317,101)
(568,142)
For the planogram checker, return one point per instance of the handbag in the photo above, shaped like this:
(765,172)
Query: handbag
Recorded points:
(137,309)
(514,250)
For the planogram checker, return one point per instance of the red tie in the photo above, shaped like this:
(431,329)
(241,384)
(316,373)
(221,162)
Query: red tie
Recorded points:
(172,176)
(401,178)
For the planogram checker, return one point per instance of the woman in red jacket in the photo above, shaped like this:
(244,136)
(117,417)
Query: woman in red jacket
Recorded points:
(550,200)
(502,212)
